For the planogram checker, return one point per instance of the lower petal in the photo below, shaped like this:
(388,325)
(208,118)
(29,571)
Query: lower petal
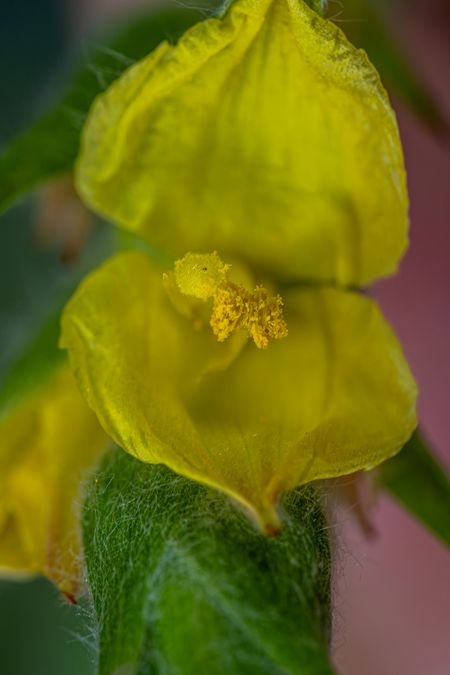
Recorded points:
(47,445)
(333,397)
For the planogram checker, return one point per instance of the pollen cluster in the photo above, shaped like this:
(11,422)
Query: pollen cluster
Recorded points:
(205,276)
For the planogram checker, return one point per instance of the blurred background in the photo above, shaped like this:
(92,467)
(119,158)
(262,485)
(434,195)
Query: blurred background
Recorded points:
(392,591)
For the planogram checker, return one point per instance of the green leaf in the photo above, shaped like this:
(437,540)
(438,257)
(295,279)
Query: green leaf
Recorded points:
(365,23)
(32,295)
(421,485)
(33,366)
(318,6)
(182,583)
(50,146)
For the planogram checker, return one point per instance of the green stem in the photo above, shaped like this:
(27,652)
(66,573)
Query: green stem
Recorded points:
(181,582)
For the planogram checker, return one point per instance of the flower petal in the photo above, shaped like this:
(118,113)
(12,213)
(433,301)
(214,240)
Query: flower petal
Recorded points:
(333,397)
(264,134)
(47,443)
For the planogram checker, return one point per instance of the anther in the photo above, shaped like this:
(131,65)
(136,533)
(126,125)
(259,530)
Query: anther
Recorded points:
(205,276)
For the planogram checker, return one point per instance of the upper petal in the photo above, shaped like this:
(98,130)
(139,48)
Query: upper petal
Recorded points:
(264,134)
(333,397)
(46,445)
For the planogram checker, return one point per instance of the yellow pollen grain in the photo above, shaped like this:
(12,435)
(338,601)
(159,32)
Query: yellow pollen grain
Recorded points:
(205,276)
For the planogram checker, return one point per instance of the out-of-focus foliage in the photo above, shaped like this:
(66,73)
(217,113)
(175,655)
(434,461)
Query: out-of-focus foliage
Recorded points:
(49,147)
(33,46)
(416,479)
(367,24)
(41,635)
(32,366)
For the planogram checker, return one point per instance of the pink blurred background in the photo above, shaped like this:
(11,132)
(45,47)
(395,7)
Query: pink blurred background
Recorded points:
(392,614)
(392,596)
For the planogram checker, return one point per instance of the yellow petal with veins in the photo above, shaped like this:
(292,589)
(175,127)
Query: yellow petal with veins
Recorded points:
(333,397)
(264,134)
(47,443)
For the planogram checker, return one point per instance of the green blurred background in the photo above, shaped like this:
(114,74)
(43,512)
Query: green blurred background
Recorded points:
(40,634)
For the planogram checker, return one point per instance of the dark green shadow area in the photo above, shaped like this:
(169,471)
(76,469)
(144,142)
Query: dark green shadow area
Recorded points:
(37,629)
(33,51)
(34,283)
(40,634)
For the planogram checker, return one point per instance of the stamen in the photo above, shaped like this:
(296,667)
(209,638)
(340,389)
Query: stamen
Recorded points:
(200,274)
(205,276)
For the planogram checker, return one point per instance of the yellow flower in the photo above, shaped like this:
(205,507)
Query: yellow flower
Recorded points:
(332,397)
(46,445)
(264,136)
